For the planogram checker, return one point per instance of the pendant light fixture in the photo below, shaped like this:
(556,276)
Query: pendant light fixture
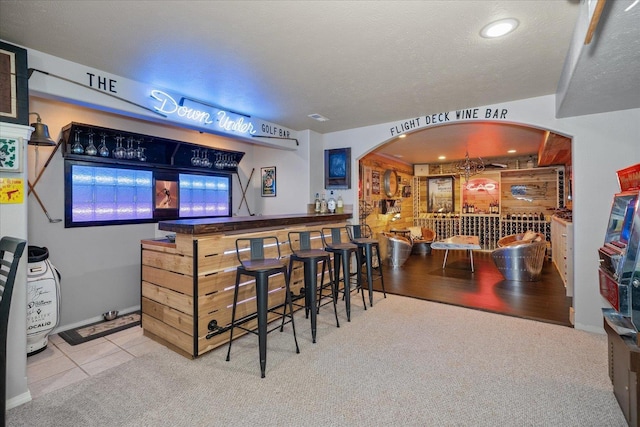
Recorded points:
(469,167)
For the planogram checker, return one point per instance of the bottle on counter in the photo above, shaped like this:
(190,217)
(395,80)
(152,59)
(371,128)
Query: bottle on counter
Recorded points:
(316,208)
(340,205)
(331,203)
(323,204)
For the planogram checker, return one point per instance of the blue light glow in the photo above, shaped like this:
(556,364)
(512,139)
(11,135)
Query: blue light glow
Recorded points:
(108,194)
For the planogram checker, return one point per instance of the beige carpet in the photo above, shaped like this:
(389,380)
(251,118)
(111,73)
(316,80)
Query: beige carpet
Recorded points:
(405,362)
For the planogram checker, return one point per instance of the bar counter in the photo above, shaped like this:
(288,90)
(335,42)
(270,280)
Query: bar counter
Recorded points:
(187,285)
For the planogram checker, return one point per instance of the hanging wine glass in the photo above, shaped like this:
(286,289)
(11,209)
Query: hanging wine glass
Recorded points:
(141,156)
(91,149)
(218,162)
(119,151)
(205,159)
(103,150)
(77,148)
(131,152)
(195,160)
(138,150)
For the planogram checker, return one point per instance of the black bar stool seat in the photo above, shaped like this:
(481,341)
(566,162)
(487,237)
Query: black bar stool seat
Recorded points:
(362,236)
(251,255)
(342,252)
(301,251)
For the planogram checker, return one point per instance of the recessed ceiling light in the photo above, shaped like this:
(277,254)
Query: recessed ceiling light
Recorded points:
(511,151)
(442,157)
(499,28)
(398,156)
(404,135)
(318,117)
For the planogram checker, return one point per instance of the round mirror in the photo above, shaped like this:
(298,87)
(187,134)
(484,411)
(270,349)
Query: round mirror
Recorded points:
(390,182)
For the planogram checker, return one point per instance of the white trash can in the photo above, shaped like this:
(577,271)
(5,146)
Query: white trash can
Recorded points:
(43,299)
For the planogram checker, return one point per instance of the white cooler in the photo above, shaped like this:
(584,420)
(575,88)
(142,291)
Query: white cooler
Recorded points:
(43,299)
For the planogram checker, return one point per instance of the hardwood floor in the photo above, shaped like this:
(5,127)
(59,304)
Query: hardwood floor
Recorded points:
(423,277)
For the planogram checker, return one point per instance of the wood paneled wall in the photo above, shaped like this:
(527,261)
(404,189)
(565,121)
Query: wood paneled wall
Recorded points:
(377,220)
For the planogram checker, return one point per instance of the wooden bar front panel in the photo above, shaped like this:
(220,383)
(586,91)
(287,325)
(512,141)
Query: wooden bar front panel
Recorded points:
(188,284)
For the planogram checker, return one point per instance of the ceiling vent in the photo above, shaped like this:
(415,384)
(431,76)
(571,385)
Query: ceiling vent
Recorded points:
(318,117)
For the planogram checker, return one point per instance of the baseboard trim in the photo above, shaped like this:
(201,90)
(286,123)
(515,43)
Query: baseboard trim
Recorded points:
(92,320)
(20,399)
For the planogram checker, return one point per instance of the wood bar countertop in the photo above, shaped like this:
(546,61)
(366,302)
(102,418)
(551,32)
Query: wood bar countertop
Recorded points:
(236,223)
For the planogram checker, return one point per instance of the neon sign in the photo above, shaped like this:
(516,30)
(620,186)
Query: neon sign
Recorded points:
(201,114)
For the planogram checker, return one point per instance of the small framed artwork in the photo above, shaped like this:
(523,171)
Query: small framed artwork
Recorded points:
(337,168)
(375,182)
(440,194)
(268,180)
(367,186)
(10,155)
(166,196)
(14,90)
(406,191)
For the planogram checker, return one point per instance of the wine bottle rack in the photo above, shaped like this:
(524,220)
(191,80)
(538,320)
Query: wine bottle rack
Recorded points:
(488,228)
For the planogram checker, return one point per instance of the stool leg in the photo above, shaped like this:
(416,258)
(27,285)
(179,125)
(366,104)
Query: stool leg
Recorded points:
(336,271)
(347,286)
(369,261)
(233,312)
(289,299)
(262,297)
(360,259)
(325,263)
(377,247)
(311,289)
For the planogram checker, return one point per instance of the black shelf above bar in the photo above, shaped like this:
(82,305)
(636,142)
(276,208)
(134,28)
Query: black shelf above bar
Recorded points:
(159,152)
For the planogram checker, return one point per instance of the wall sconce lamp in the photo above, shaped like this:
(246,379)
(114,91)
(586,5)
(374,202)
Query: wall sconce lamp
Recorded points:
(40,135)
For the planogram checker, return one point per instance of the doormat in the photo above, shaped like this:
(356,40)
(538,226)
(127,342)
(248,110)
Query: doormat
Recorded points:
(100,329)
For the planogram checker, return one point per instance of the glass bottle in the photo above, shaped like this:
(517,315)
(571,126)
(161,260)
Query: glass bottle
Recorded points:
(316,208)
(323,204)
(331,203)
(340,205)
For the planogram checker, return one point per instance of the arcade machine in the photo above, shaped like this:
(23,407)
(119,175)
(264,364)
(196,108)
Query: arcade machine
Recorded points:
(619,274)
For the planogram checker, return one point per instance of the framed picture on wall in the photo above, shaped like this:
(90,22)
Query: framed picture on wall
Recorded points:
(268,181)
(14,90)
(166,194)
(440,194)
(375,182)
(337,168)
(10,155)
(366,184)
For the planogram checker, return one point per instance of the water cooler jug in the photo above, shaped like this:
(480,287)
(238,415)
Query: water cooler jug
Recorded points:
(43,299)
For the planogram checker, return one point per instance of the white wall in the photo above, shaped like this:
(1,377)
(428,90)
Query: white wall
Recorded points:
(100,266)
(292,179)
(13,222)
(602,144)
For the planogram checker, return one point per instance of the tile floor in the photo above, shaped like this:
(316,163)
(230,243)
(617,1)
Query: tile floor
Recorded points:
(62,364)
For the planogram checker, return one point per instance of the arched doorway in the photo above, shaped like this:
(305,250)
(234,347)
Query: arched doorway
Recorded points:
(539,155)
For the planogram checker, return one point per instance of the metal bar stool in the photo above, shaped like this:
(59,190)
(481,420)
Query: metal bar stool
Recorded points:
(342,254)
(362,236)
(261,268)
(301,251)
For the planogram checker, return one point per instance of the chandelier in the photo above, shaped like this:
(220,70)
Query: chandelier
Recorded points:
(469,167)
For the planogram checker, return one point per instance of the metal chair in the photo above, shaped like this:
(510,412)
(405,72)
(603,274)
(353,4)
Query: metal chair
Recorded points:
(521,260)
(362,236)
(300,243)
(251,255)
(342,251)
(11,250)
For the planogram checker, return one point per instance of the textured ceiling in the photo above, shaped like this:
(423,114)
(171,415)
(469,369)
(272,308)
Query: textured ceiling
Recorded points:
(357,63)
